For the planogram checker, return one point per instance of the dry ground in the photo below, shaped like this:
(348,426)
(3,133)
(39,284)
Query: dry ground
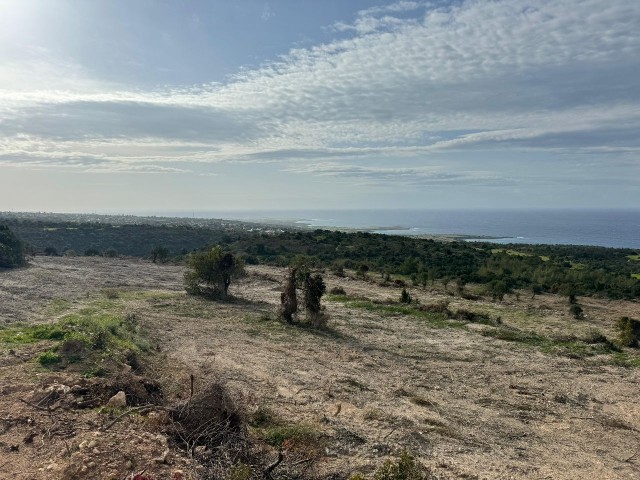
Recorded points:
(373,384)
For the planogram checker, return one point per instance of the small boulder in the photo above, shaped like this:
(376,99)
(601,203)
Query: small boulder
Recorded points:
(118,400)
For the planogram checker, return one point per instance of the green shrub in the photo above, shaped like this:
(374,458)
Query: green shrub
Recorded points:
(629,331)
(48,358)
(211,272)
(404,468)
(11,249)
(576,311)
(405,297)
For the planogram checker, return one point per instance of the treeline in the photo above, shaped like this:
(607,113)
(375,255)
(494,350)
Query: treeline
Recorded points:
(47,237)
(577,270)
(570,270)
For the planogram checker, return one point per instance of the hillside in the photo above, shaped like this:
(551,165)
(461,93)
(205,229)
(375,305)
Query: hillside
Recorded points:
(473,388)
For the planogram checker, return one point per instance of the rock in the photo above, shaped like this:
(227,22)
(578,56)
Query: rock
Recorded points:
(118,400)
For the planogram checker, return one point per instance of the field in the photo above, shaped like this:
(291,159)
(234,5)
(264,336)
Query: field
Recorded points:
(510,389)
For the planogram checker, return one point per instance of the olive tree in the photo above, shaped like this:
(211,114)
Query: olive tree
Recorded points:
(211,272)
(11,249)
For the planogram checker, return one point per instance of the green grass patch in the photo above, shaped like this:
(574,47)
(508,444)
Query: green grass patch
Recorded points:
(511,252)
(92,333)
(388,309)
(49,358)
(58,306)
(635,258)
(623,359)
(635,275)
(277,435)
(567,346)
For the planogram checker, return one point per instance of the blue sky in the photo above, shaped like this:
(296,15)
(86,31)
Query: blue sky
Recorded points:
(122,106)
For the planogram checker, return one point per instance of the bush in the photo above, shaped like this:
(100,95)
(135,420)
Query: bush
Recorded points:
(211,272)
(110,253)
(313,288)
(404,468)
(91,252)
(576,311)
(629,331)
(337,291)
(51,252)
(159,254)
(48,358)
(405,297)
(11,249)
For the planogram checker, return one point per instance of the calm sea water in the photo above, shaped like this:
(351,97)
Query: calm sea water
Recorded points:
(609,228)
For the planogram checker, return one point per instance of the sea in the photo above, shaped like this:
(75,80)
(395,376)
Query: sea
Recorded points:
(607,228)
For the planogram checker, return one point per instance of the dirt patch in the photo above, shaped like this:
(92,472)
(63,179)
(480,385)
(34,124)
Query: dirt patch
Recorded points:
(372,384)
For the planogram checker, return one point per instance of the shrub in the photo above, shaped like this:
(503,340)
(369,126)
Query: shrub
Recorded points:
(576,311)
(498,289)
(91,252)
(48,358)
(404,468)
(362,270)
(313,288)
(110,253)
(11,249)
(338,270)
(288,298)
(211,272)
(159,254)
(337,291)
(51,252)
(405,297)
(629,331)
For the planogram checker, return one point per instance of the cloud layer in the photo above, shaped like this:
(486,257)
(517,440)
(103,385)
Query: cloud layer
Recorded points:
(401,89)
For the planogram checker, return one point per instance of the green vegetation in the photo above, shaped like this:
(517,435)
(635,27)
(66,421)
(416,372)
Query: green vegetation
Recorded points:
(159,254)
(629,330)
(92,334)
(571,346)
(11,249)
(584,270)
(405,467)
(211,272)
(436,315)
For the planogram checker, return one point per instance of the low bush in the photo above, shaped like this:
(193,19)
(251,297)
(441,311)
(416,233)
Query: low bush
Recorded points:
(337,291)
(629,332)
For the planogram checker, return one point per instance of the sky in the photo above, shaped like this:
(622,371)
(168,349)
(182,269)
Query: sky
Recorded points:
(120,106)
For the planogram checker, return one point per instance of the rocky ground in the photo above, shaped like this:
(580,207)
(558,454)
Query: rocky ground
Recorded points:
(374,383)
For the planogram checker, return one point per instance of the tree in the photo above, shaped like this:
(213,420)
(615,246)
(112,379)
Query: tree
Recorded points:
(159,253)
(211,272)
(11,249)
(314,287)
(288,298)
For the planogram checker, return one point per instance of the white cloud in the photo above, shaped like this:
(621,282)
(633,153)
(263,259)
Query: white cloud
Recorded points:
(413,79)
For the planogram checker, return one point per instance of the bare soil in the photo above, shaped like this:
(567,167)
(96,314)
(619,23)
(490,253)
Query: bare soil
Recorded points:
(371,384)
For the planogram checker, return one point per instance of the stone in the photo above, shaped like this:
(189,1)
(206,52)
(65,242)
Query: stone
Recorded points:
(118,400)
